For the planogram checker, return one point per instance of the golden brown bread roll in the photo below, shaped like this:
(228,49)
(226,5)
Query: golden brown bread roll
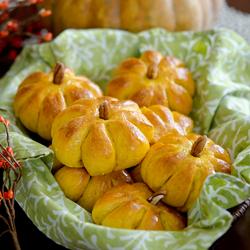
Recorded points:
(179,164)
(165,121)
(154,79)
(128,206)
(102,135)
(85,190)
(40,97)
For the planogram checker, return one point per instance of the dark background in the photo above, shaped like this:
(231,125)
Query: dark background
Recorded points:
(237,237)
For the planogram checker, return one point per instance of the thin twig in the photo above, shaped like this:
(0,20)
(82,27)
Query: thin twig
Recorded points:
(5,220)
(6,231)
(5,202)
(9,162)
(31,19)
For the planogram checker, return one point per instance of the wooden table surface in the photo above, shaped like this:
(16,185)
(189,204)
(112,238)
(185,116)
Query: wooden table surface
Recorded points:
(237,237)
(243,5)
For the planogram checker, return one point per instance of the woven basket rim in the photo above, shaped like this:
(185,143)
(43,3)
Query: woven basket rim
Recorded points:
(237,212)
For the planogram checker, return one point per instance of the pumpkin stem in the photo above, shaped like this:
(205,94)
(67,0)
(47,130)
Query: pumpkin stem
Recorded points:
(104,110)
(58,73)
(152,72)
(156,197)
(198,146)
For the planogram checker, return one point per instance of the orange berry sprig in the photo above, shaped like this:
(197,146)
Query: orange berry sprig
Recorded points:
(14,32)
(7,195)
(9,5)
(8,163)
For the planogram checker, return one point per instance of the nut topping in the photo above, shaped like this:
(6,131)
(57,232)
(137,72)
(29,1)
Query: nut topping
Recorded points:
(198,146)
(104,110)
(152,70)
(59,73)
(156,197)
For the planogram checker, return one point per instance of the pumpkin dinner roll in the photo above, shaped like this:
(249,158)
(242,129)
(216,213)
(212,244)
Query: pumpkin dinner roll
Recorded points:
(179,165)
(85,190)
(102,135)
(40,97)
(165,121)
(154,79)
(136,207)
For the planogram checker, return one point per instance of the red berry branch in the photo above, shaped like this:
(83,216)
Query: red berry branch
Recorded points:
(9,164)
(15,33)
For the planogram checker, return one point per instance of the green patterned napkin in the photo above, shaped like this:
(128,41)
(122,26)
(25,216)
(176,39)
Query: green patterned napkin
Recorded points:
(220,63)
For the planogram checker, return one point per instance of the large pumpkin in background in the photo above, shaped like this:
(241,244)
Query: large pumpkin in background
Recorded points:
(131,15)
